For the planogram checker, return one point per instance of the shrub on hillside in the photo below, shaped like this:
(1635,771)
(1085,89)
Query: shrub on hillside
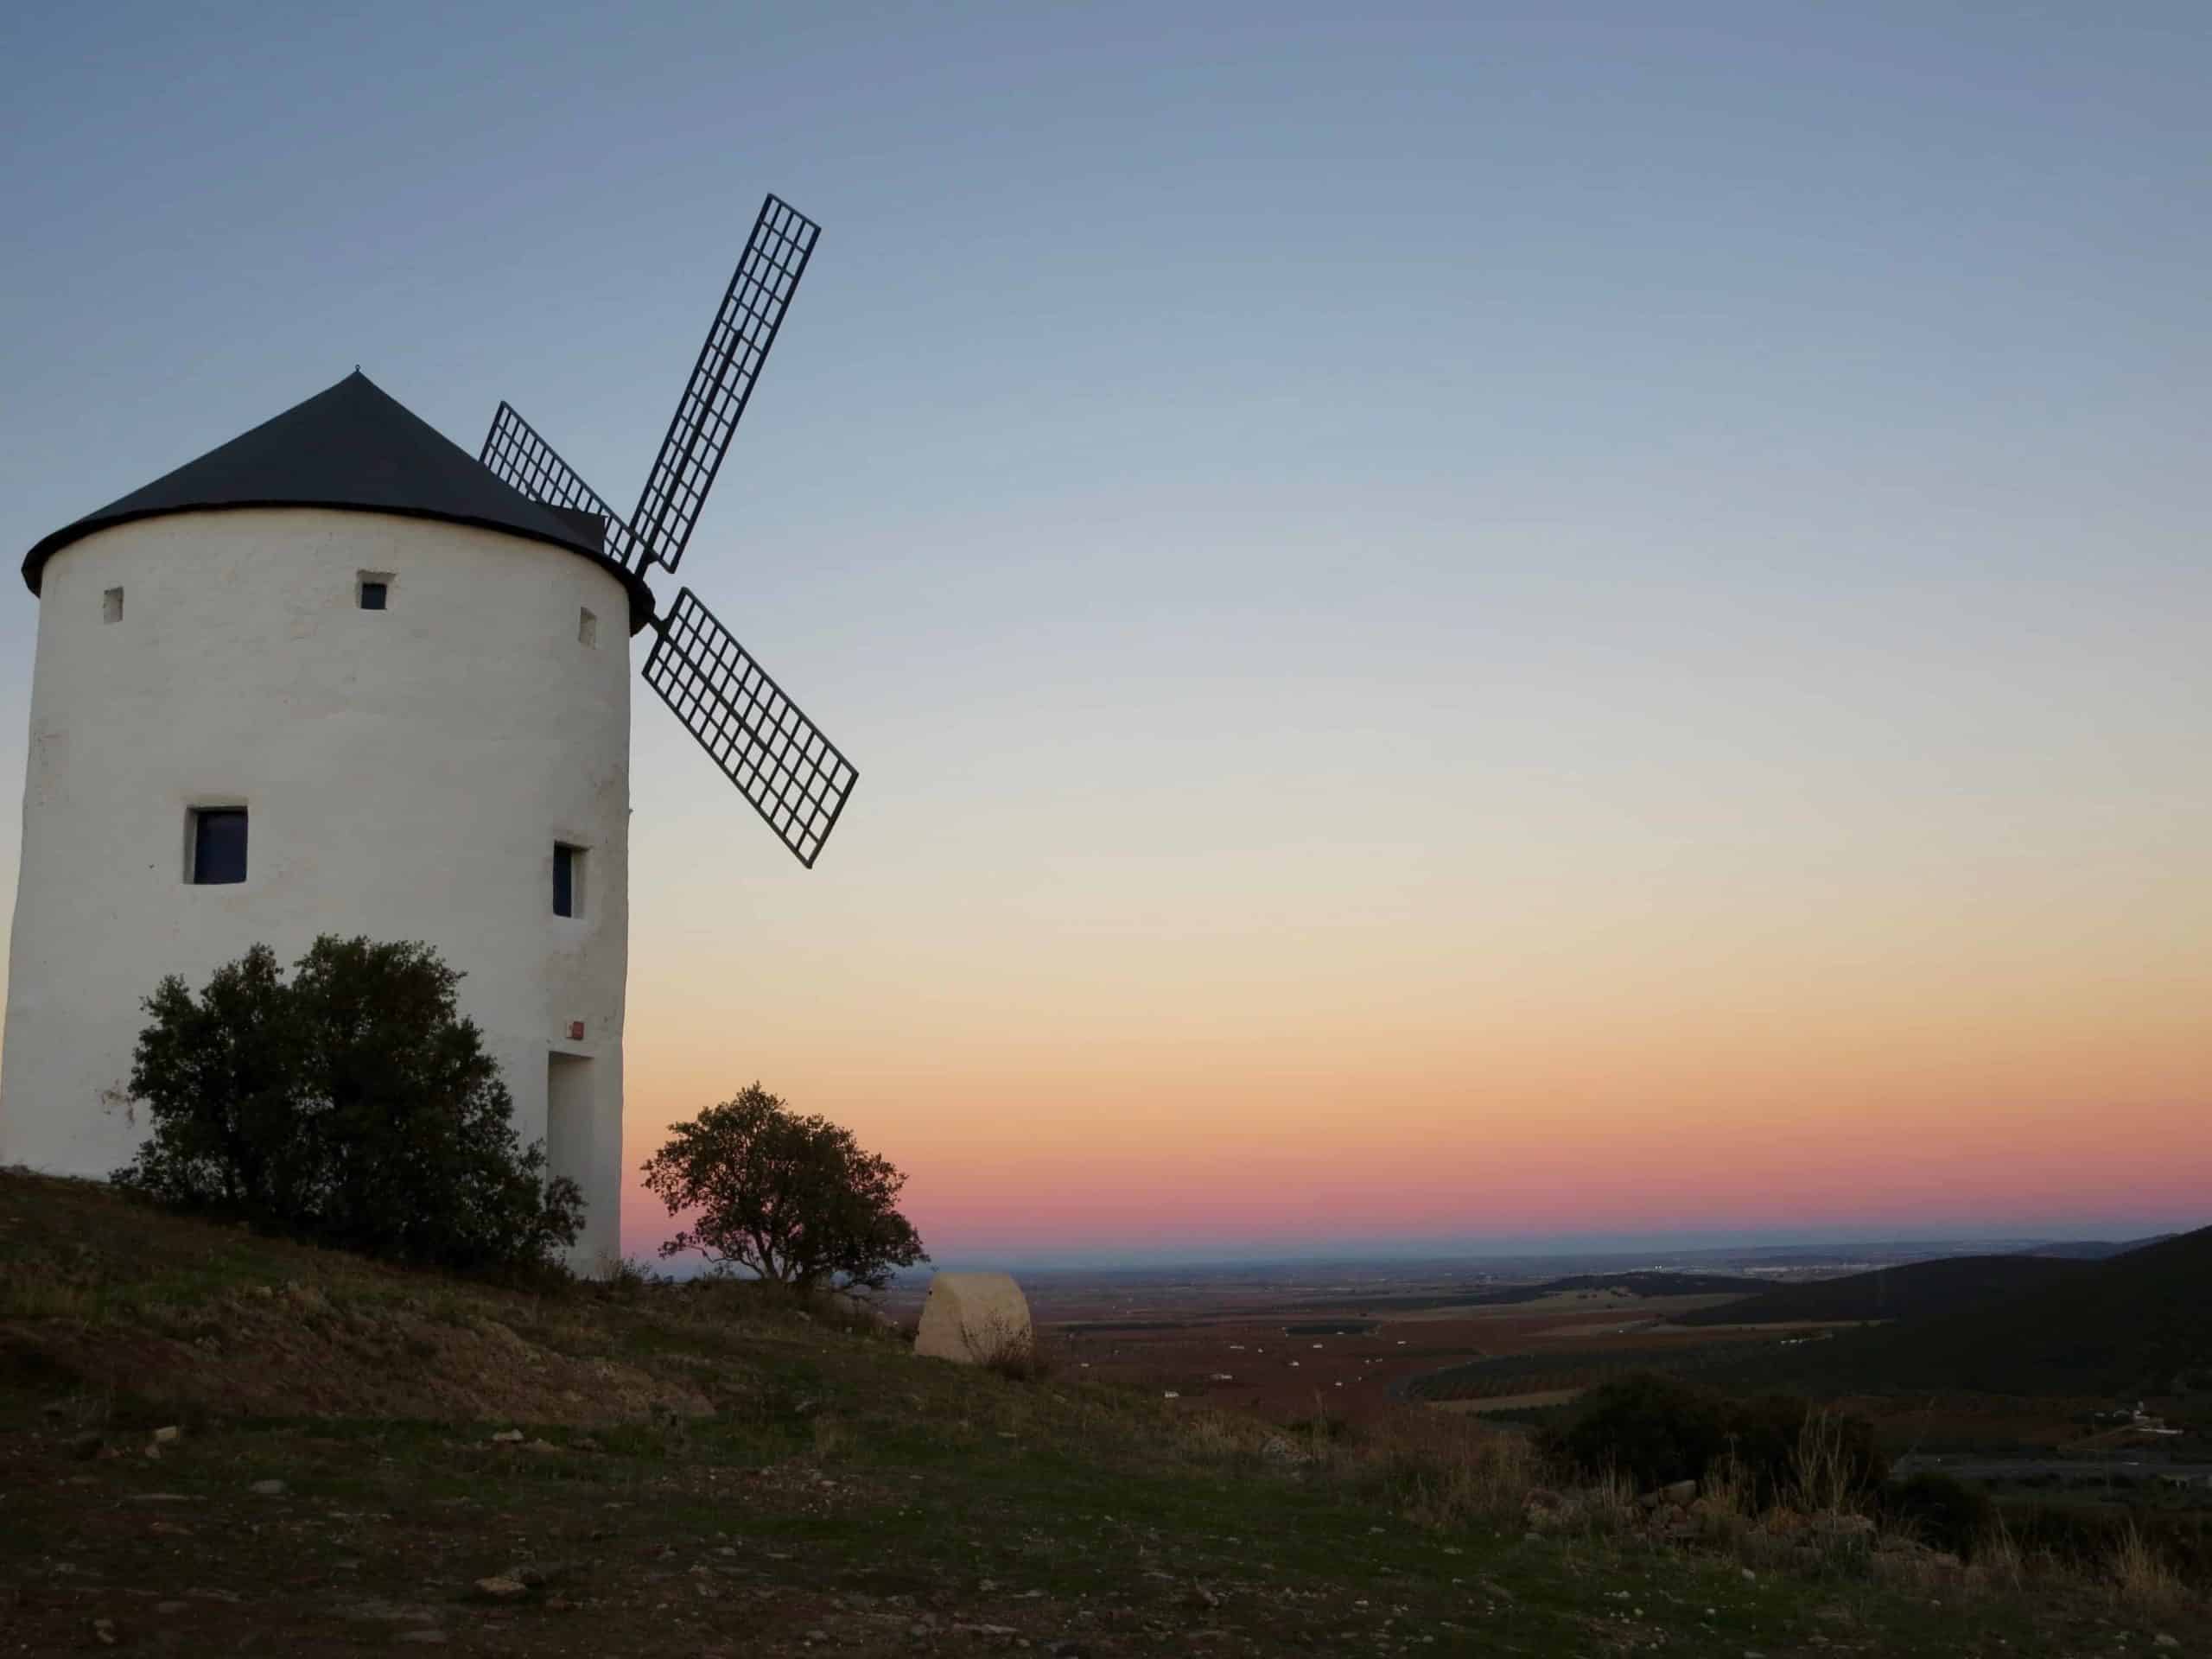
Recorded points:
(1648,1427)
(2099,1537)
(1652,1429)
(1942,1511)
(352,1107)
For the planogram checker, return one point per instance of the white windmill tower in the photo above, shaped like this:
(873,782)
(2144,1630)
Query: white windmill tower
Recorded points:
(338,677)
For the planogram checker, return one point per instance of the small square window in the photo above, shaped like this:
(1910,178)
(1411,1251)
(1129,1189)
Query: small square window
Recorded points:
(217,850)
(587,628)
(568,879)
(375,590)
(111,605)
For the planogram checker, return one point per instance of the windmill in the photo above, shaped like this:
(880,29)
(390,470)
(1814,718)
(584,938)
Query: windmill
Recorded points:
(780,761)
(340,676)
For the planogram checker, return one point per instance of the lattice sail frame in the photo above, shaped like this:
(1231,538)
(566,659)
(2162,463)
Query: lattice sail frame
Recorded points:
(513,451)
(721,381)
(796,778)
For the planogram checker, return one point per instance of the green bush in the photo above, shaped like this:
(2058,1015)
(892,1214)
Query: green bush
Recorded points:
(1941,1510)
(1653,1429)
(1649,1428)
(352,1107)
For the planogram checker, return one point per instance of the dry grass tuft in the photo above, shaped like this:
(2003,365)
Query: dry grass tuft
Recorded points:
(1011,1349)
(2142,1581)
(1730,1499)
(1997,1564)
(1607,1506)
(1822,1475)
(1441,1470)
(35,1291)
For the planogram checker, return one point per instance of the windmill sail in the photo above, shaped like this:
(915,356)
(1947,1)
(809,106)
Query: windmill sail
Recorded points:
(514,452)
(721,381)
(796,777)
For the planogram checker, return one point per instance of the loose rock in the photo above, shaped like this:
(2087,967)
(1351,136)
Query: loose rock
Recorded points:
(378,1612)
(973,1318)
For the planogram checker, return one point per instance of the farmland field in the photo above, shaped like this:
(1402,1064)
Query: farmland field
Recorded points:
(1562,1373)
(1293,1352)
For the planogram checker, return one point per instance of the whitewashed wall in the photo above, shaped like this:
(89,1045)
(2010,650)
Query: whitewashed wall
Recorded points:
(407,773)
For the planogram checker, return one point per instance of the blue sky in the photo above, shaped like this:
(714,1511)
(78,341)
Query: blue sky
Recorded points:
(1257,489)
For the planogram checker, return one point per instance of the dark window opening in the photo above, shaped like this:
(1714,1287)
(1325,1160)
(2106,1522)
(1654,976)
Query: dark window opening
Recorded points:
(373,594)
(568,879)
(111,605)
(218,845)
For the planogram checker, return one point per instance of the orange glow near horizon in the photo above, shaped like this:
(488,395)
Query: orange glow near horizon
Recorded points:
(1710,1050)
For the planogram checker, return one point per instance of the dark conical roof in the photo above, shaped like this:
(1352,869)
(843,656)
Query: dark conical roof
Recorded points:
(352,447)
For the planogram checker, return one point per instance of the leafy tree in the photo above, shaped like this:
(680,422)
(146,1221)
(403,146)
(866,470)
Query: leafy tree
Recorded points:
(793,1199)
(354,1106)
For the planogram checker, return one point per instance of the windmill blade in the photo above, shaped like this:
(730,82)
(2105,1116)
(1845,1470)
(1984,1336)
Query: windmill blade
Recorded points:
(515,453)
(796,777)
(721,382)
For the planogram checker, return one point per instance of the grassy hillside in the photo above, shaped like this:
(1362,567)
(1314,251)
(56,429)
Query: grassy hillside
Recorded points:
(367,1458)
(1919,1290)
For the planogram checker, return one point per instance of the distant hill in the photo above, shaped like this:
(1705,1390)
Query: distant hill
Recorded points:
(2136,1323)
(2093,1249)
(1918,1290)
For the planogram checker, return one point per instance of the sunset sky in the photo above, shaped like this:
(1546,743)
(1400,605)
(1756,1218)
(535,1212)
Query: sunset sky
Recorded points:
(1472,626)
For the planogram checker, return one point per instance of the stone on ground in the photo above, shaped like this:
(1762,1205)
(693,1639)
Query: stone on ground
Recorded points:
(973,1318)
